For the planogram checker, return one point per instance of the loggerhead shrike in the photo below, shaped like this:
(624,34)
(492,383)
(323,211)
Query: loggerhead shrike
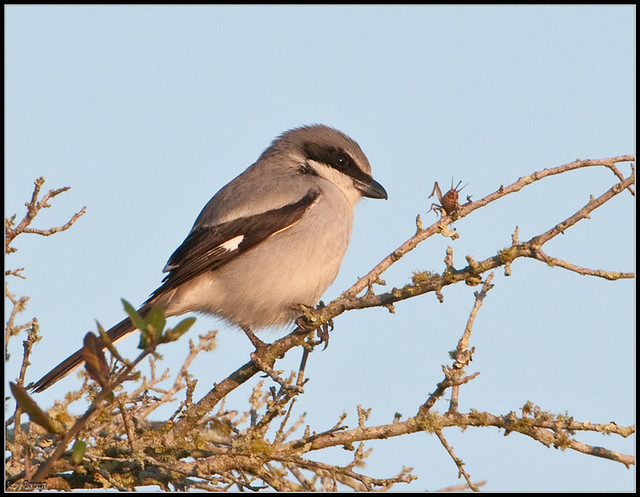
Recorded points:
(270,240)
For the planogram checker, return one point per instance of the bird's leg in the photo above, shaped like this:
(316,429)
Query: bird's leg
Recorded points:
(257,343)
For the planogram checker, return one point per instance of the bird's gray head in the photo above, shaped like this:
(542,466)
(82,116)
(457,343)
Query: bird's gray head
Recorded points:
(326,152)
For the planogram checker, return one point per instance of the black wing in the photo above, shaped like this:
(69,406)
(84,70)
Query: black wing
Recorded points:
(208,248)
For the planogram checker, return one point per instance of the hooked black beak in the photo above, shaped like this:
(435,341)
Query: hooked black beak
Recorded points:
(372,189)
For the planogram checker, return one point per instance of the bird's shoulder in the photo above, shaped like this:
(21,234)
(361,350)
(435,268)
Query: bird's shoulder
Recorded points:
(250,195)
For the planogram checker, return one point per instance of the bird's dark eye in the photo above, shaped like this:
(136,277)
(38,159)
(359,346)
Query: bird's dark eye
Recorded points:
(340,161)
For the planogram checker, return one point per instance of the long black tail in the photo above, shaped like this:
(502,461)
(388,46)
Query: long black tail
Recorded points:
(121,329)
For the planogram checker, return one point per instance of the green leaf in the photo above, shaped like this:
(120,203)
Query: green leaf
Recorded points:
(105,338)
(156,321)
(109,344)
(153,327)
(77,453)
(36,415)
(144,339)
(137,320)
(180,329)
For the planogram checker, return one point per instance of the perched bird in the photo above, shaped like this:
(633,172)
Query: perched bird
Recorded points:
(269,241)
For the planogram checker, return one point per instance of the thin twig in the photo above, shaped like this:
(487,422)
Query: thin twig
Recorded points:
(33,208)
(463,356)
(459,463)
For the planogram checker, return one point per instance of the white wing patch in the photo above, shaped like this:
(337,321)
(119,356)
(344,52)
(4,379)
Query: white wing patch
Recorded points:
(232,244)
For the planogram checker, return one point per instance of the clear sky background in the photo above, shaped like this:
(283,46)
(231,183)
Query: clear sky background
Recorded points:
(146,111)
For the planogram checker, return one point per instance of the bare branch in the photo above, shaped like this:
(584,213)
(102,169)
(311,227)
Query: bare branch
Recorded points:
(466,209)
(458,461)
(266,445)
(33,208)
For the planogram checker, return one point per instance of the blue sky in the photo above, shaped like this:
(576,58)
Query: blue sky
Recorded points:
(146,111)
